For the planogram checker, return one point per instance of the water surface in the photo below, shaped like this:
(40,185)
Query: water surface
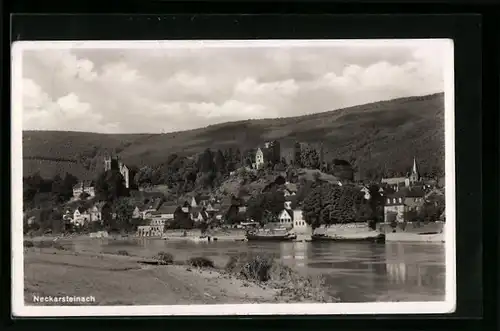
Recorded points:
(354,272)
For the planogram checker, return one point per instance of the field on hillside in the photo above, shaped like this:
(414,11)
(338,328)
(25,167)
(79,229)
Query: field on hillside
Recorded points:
(384,135)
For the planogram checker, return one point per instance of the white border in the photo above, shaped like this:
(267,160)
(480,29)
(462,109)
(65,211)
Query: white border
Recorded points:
(20,310)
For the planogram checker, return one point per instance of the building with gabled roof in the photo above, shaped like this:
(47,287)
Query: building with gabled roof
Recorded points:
(86,186)
(402,201)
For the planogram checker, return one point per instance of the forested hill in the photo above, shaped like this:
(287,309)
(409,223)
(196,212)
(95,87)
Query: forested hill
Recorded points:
(381,137)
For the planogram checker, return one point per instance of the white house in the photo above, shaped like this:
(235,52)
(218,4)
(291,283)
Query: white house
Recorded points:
(286,218)
(137,213)
(199,216)
(366,191)
(80,216)
(100,211)
(299,224)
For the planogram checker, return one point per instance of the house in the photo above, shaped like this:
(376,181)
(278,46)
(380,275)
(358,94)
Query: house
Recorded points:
(137,212)
(299,224)
(199,200)
(286,218)
(67,216)
(213,207)
(402,201)
(366,192)
(151,206)
(165,212)
(80,216)
(84,186)
(100,212)
(200,216)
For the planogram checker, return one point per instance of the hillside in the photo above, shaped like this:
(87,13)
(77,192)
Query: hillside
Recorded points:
(381,136)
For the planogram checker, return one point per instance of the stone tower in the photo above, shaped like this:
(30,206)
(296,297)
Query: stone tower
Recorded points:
(296,153)
(321,156)
(107,162)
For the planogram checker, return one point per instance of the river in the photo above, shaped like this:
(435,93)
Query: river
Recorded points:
(355,272)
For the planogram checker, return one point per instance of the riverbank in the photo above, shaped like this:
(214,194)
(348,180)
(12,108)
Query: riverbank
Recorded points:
(121,279)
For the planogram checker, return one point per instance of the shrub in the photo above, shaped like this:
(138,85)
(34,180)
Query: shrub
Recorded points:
(201,262)
(49,244)
(164,258)
(123,252)
(28,243)
(232,263)
(251,267)
(257,268)
(293,286)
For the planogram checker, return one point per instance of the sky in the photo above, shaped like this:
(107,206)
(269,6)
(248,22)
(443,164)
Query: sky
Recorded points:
(165,89)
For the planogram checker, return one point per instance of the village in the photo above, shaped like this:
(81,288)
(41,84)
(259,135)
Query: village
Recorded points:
(400,198)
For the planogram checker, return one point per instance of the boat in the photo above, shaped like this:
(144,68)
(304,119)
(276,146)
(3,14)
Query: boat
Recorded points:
(270,235)
(416,237)
(375,237)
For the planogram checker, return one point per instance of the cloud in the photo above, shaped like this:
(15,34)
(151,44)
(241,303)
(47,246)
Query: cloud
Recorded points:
(168,89)
(67,113)
(67,65)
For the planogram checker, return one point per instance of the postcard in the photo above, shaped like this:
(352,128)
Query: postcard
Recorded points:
(262,177)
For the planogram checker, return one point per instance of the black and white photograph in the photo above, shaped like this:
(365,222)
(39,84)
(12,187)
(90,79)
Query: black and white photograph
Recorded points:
(236,177)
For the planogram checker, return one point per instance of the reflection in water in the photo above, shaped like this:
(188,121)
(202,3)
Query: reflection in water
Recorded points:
(294,253)
(355,272)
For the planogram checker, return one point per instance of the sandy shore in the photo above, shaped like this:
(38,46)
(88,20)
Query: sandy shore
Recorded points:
(131,280)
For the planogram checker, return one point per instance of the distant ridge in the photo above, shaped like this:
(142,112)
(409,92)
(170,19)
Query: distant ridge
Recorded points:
(380,135)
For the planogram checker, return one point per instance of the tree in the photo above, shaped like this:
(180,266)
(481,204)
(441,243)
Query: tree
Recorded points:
(69,182)
(206,162)
(411,215)
(220,162)
(232,215)
(181,220)
(123,210)
(310,158)
(430,212)
(342,169)
(110,185)
(364,213)
(312,207)
(144,177)
(84,196)
(57,224)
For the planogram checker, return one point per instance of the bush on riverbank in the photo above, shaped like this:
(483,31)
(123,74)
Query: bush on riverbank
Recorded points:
(201,262)
(28,244)
(123,252)
(265,268)
(164,258)
(44,244)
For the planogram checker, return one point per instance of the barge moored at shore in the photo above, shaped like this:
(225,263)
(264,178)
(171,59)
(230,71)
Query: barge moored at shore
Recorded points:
(270,235)
(375,237)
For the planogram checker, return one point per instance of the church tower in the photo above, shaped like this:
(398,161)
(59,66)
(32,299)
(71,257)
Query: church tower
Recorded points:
(415,175)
